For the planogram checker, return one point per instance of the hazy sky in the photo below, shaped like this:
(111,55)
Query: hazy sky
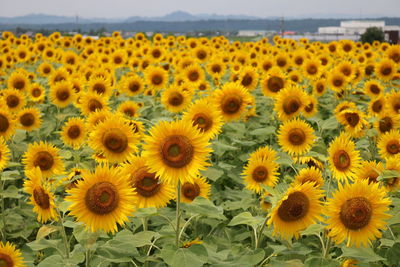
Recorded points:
(261,8)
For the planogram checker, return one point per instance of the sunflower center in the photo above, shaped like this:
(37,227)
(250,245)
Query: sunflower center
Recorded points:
(216,69)
(369,70)
(27,119)
(62,94)
(275,84)
(320,88)
(19,84)
(338,82)
(296,136)
(12,101)
(202,121)
(309,107)
(260,174)
(36,92)
(190,191)
(156,79)
(4,123)
(201,54)
(312,70)
(175,99)
(341,160)
(385,124)
(299,61)
(99,88)
(74,132)
(294,207)
(386,70)
(115,140)
(281,62)
(177,151)
(393,147)
(377,106)
(375,89)
(352,118)
(372,176)
(129,112)
(94,105)
(102,198)
(356,213)
(291,105)
(193,76)
(5,260)
(231,104)
(117,60)
(134,86)
(44,160)
(247,80)
(146,183)
(41,198)
(346,71)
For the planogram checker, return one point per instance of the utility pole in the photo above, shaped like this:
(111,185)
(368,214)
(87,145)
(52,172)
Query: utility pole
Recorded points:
(282,25)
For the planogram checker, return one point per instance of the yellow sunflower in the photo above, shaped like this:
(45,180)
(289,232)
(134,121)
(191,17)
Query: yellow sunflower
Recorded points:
(96,117)
(7,124)
(232,101)
(387,122)
(41,198)
(353,120)
(74,133)
(45,69)
(29,119)
(156,77)
(296,137)
(373,88)
(102,199)
(45,156)
(274,82)
(377,106)
(205,116)
(300,207)
(193,74)
(15,99)
(4,154)
(91,102)
(10,256)
(393,101)
(344,159)
(18,81)
(389,144)
(319,87)
(309,161)
(369,170)
(62,94)
(310,174)
(357,212)
(385,69)
(248,78)
(100,85)
(132,85)
(393,164)
(337,81)
(198,188)
(176,151)
(310,106)
(175,99)
(37,93)
(151,192)
(290,102)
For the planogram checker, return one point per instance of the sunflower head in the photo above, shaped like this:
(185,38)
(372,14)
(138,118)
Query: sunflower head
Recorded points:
(296,137)
(198,188)
(290,102)
(10,256)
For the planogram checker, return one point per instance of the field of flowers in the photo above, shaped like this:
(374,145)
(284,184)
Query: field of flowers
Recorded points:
(178,151)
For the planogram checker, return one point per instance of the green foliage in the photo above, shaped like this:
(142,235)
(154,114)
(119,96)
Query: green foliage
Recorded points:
(373,34)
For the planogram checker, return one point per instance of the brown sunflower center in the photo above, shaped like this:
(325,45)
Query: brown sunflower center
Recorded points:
(294,207)
(291,105)
(117,60)
(296,136)
(94,105)
(129,112)
(27,119)
(19,84)
(231,104)
(99,88)
(62,94)
(247,80)
(134,86)
(5,260)
(115,139)
(337,82)
(193,75)
(4,123)
(74,131)
(190,191)
(175,99)
(41,198)
(146,183)
(356,213)
(156,79)
(341,160)
(352,118)
(309,108)
(202,121)
(372,176)
(320,87)
(377,106)
(281,62)
(201,54)
(375,89)
(312,69)
(393,147)
(385,124)
(102,198)
(12,101)
(44,160)
(36,92)
(260,174)
(386,70)
(177,151)
(216,68)
(275,84)
(46,70)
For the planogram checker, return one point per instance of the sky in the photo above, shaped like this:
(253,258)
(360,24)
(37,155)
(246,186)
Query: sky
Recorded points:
(260,8)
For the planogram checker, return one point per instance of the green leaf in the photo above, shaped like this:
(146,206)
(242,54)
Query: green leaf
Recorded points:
(320,262)
(263,131)
(388,174)
(65,154)
(393,254)
(194,256)
(143,238)
(45,230)
(204,207)
(245,218)
(44,243)
(213,174)
(11,192)
(362,254)
(329,124)
(146,212)
(51,261)
(313,229)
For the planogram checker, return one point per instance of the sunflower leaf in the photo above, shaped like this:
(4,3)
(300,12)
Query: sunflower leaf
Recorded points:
(388,174)
(362,254)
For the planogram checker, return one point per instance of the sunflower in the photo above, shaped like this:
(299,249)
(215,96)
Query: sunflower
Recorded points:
(74,132)
(91,102)
(347,69)
(319,87)
(29,119)
(150,191)
(369,170)
(175,99)
(232,100)
(337,81)
(45,156)
(300,207)
(10,256)
(262,169)
(290,102)
(387,122)
(129,108)
(45,69)
(393,164)
(102,199)
(393,101)
(310,106)
(248,78)
(4,154)
(118,58)
(15,99)
(19,81)
(389,144)
(193,74)
(216,68)
(357,212)
(373,88)
(62,94)
(312,68)
(296,137)
(309,161)
(205,116)
(59,75)
(310,174)
(156,77)
(7,124)
(353,120)
(132,85)
(344,159)
(100,85)
(385,69)
(265,203)
(377,106)
(198,188)
(274,82)
(36,93)
(176,151)
(41,197)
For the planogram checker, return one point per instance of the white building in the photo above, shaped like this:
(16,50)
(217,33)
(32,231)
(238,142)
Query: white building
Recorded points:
(251,33)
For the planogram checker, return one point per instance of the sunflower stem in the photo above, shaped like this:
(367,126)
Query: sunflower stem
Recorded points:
(259,236)
(327,247)
(64,235)
(178,213)
(144,222)
(391,233)
(185,225)
(3,214)
(87,257)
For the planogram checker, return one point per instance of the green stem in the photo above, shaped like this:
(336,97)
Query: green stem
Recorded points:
(64,235)
(144,222)
(185,225)
(87,256)
(3,214)
(327,247)
(259,236)
(178,213)
(391,233)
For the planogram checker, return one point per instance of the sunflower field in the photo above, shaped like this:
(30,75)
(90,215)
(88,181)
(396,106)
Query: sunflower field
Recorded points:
(178,151)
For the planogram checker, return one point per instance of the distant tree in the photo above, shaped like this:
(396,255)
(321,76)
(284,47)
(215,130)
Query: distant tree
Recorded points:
(373,34)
